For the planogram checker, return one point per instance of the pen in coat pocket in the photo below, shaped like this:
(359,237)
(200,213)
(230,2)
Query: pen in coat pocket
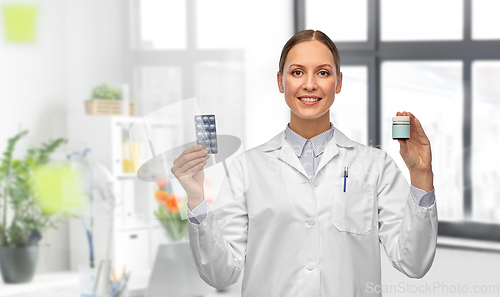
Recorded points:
(346,172)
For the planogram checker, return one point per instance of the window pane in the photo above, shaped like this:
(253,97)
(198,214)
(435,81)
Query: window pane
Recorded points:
(159,86)
(421,20)
(162,24)
(344,21)
(485,20)
(219,89)
(219,24)
(432,91)
(485,141)
(349,111)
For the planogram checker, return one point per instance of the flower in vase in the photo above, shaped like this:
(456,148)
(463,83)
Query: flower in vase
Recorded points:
(168,213)
(162,184)
(171,203)
(161,196)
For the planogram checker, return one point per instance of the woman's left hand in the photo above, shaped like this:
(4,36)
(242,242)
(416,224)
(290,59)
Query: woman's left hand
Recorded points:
(416,152)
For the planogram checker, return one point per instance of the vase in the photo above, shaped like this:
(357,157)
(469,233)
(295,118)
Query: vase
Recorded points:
(175,274)
(18,264)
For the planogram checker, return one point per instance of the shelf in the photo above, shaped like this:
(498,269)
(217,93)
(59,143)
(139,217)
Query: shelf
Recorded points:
(126,175)
(479,245)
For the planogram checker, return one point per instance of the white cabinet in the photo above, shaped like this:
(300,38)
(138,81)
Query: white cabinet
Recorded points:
(135,233)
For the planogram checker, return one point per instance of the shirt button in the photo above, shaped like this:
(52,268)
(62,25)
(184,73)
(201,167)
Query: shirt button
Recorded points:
(309,143)
(310,265)
(310,176)
(311,221)
(309,151)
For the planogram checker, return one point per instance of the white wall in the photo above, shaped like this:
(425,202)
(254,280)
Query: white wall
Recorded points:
(94,45)
(33,97)
(32,80)
(78,46)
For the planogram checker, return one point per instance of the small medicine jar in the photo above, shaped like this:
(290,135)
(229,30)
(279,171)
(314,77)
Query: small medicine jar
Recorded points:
(401,127)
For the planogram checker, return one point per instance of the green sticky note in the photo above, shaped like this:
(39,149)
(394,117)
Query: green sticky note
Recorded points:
(20,23)
(58,189)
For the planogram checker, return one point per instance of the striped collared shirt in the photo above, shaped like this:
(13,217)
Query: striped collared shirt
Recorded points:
(309,151)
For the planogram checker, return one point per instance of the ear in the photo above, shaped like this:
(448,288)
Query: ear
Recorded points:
(339,83)
(280,83)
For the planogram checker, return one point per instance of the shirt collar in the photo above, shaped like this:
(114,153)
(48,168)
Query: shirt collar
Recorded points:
(298,142)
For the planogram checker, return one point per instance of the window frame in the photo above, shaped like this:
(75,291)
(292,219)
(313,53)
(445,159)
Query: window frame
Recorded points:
(374,52)
(186,59)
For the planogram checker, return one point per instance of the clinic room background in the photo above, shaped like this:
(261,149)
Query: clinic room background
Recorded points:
(439,59)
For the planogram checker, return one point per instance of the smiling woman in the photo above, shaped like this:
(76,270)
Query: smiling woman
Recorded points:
(309,76)
(323,202)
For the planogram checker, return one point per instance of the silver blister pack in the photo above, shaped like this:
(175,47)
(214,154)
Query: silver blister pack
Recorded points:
(206,132)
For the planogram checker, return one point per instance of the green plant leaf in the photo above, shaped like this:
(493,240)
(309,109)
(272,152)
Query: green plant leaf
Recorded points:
(17,188)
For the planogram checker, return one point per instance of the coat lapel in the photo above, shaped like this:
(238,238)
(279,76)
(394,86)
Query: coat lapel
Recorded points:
(332,148)
(286,153)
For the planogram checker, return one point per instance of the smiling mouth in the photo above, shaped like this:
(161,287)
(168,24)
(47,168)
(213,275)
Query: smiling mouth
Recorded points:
(306,99)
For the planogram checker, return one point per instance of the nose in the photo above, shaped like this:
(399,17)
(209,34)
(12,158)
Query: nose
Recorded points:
(310,83)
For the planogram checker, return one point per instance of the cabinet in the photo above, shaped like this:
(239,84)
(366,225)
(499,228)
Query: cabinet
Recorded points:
(134,233)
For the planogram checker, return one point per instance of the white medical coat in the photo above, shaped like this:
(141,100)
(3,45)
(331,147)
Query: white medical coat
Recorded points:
(292,236)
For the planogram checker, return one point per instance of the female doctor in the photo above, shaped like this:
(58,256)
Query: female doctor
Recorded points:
(313,206)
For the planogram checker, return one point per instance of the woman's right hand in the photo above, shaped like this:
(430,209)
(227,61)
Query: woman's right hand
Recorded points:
(188,169)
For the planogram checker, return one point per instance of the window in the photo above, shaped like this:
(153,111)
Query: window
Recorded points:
(421,20)
(486,141)
(178,52)
(485,21)
(439,59)
(352,102)
(211,20)
(433,92)
(155,18)
(346,20)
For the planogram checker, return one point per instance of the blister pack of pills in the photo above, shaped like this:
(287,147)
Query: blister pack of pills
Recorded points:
(206,132)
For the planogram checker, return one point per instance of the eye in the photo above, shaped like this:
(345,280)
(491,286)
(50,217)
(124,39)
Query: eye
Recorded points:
(323,73)
(296,72)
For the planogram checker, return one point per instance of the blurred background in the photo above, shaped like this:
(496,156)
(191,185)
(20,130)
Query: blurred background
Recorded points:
(439,59)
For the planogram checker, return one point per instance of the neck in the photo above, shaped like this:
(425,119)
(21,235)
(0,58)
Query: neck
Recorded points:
(308,128)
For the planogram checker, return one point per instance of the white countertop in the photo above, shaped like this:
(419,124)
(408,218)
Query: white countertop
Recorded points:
(66,284)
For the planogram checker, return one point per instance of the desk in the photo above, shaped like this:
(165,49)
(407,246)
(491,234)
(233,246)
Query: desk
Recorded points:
(66,284)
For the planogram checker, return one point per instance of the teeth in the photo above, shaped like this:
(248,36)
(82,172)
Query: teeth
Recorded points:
(308,99)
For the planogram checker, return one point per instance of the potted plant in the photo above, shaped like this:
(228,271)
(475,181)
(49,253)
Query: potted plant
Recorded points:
(22,220)
(107,100)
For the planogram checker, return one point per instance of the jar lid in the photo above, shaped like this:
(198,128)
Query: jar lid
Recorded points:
(402,120)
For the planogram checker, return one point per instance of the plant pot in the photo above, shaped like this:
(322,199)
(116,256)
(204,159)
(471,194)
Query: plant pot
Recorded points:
(18,264)
(107,107)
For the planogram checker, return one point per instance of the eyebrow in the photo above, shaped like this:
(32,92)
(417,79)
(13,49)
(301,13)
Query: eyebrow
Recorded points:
(319,66)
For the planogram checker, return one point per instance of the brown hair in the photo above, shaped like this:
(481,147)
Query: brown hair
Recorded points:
(308,35)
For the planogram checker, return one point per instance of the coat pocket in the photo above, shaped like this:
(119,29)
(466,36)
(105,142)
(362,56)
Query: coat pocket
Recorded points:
(352,210)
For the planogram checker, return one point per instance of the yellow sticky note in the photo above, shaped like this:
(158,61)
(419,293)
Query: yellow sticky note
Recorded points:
(58,189)
(20,23)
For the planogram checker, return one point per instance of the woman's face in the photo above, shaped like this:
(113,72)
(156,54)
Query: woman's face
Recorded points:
(309,80)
